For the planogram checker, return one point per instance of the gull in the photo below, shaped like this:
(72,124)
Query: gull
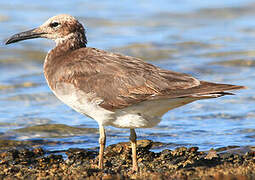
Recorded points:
(113,89)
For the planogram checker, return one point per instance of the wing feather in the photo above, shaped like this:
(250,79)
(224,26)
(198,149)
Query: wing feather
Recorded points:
(121,81)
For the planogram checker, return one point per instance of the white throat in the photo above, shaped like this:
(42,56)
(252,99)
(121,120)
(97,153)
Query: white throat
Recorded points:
(63,39)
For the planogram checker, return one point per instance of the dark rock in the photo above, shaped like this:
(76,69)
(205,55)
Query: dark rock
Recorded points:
(181,163)
(212,154)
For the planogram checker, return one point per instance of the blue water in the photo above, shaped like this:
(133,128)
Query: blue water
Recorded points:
(211,40)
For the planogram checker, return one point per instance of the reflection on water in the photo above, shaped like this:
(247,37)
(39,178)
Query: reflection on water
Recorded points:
(212,40)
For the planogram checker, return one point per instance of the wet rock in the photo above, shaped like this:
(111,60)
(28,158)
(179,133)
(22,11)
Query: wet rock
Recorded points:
(38,151)
(180,163)
(212,154)
(79,156)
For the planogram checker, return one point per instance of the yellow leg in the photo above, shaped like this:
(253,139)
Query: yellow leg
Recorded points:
(133,145)
(102,140)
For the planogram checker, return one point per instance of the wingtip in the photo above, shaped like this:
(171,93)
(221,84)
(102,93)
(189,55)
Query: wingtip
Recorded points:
(245,87)
(240,87)
(6,42)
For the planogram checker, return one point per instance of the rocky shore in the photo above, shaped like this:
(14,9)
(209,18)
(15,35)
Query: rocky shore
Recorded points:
(29,162)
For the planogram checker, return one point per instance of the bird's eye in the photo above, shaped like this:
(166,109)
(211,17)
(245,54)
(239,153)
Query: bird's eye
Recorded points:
(54,24)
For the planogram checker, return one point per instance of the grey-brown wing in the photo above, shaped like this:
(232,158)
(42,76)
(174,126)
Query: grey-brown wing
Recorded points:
(122,80)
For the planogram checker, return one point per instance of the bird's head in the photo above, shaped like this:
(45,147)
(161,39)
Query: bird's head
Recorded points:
(58,28)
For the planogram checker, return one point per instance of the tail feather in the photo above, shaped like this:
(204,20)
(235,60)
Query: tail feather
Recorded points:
(213,90)
(212,95)
(202,91)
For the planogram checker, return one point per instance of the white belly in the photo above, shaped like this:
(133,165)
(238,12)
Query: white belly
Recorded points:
(142,115)
(147,113)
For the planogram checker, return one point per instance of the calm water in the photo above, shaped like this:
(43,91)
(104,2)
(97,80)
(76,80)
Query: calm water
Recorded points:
(211,40)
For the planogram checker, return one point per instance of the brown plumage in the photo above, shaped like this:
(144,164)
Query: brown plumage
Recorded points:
(111,88)
(122,81)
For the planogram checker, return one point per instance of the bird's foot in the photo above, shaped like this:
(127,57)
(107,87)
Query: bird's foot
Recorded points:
(135,169)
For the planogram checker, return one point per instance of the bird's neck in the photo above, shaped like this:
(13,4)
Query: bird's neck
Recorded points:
(67,44)
(64,47)
(70,42)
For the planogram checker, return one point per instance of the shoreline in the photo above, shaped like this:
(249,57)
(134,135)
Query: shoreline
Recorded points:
(31,162)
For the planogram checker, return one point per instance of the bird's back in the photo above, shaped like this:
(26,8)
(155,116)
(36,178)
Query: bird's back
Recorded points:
(120,81)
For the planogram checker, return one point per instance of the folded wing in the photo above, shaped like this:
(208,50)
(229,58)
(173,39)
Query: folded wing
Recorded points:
(121,81)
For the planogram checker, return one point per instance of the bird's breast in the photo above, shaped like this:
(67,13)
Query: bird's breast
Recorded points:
(82,102)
